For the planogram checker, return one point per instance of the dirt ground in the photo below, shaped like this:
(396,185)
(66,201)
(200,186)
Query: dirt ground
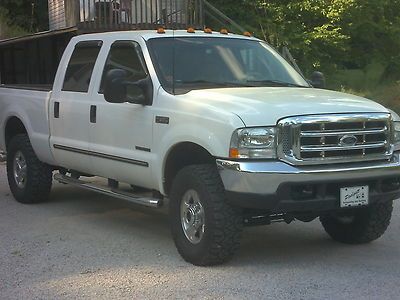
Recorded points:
(84,245)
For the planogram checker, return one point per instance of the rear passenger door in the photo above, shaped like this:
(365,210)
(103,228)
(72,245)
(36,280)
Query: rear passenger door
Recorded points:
(70,108)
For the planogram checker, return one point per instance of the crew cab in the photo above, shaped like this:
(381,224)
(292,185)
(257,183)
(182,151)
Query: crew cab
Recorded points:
(217,125)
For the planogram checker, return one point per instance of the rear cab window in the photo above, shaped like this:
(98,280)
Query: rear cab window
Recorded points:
(80,67)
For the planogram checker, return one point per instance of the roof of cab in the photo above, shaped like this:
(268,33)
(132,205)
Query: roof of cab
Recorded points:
(150,34)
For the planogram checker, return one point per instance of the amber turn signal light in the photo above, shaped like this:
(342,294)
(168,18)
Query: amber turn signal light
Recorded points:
(208,30)
(247,33)
(191,30)
(233,153)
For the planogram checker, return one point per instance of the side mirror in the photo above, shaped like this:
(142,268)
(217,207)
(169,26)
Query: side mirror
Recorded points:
(318,80)
(115,90)
(117,87)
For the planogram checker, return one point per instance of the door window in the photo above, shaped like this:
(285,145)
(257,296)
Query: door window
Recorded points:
(126,55)
(79,71)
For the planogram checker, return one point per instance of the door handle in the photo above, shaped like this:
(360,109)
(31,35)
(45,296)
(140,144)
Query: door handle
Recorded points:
(93,113)
(56,109)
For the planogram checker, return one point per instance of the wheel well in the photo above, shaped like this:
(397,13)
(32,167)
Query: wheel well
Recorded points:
(14,126)
(182,155)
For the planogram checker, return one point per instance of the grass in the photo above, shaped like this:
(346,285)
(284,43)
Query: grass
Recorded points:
(369,83)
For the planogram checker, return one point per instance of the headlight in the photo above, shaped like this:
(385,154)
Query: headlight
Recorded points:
(258,142)
(396,135)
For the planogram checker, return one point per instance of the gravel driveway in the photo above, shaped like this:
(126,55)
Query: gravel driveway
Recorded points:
(85,245)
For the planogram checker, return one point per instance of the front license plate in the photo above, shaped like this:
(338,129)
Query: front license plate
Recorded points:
(354,196)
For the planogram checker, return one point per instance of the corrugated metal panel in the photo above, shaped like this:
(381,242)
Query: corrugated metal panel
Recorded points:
(56,14)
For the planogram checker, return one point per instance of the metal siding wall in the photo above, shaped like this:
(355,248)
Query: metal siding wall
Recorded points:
(56,14)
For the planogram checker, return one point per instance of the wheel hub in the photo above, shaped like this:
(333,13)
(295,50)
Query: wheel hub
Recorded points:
(192,217)
(20,169)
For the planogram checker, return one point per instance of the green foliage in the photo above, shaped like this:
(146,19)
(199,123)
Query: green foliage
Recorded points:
(19,17)
(6,30)
(327,34)
(356,43)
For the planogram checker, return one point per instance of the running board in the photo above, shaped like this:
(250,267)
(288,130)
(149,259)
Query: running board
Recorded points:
(137,199)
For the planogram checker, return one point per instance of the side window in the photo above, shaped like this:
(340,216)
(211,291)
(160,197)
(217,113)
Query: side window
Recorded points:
(80,67)
(126,55)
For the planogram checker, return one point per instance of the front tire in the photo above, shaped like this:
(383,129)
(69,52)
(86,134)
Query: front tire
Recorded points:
(362,226)
(205,228)
(29,179)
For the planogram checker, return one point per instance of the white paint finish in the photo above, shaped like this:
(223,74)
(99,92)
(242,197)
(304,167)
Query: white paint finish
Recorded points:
(204,117)
(119,128)
(195,122)
(266,105)
(71,129)
(31,107)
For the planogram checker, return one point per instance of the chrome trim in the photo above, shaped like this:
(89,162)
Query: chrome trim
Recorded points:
(137,199)
(264,178)
(290,134)
(336,132)
(335,148)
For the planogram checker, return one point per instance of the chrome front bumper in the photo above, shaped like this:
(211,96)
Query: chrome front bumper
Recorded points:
(265,179)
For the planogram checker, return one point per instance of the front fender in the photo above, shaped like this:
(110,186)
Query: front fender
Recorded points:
(214,137)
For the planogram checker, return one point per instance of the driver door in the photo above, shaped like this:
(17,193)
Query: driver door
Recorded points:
(121,133)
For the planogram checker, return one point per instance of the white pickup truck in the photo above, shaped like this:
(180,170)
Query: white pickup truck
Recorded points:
(220,125)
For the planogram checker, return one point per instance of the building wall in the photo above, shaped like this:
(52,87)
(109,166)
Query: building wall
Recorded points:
(56,14)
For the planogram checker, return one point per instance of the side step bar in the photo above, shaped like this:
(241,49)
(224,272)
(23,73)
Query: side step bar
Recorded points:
(137,199)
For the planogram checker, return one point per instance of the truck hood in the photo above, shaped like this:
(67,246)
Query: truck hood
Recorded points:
(262,106)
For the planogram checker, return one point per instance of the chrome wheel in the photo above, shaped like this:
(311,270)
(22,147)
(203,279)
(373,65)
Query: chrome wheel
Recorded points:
(192,217)
(20,169)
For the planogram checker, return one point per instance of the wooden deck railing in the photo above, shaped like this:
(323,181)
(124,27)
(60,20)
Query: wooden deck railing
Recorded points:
(107,15)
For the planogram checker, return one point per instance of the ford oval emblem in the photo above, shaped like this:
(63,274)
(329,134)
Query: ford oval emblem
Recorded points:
(348,141)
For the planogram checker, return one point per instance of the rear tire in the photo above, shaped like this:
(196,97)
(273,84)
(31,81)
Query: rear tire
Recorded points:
(205,228)
(29,179)
(364,225)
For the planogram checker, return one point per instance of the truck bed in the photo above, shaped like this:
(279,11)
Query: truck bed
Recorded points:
(30,104)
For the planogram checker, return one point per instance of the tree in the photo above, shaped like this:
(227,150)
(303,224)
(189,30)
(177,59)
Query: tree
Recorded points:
(24,16)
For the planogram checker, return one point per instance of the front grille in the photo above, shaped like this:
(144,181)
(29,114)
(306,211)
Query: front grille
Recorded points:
(335,138)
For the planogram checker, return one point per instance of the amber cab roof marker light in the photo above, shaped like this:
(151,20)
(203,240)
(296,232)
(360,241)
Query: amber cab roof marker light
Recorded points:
(191,30)
(224,31)
(161,30)
(207,30)
(247,33)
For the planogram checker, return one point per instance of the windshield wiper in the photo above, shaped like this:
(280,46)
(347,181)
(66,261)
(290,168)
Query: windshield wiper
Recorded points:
(226,84)
(275,83)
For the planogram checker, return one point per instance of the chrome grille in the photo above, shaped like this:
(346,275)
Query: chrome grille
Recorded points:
(335,138)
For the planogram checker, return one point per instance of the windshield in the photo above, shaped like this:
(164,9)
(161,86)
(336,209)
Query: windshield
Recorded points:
(188,63)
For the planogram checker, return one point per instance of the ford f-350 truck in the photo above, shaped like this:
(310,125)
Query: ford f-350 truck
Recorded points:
(219,125)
